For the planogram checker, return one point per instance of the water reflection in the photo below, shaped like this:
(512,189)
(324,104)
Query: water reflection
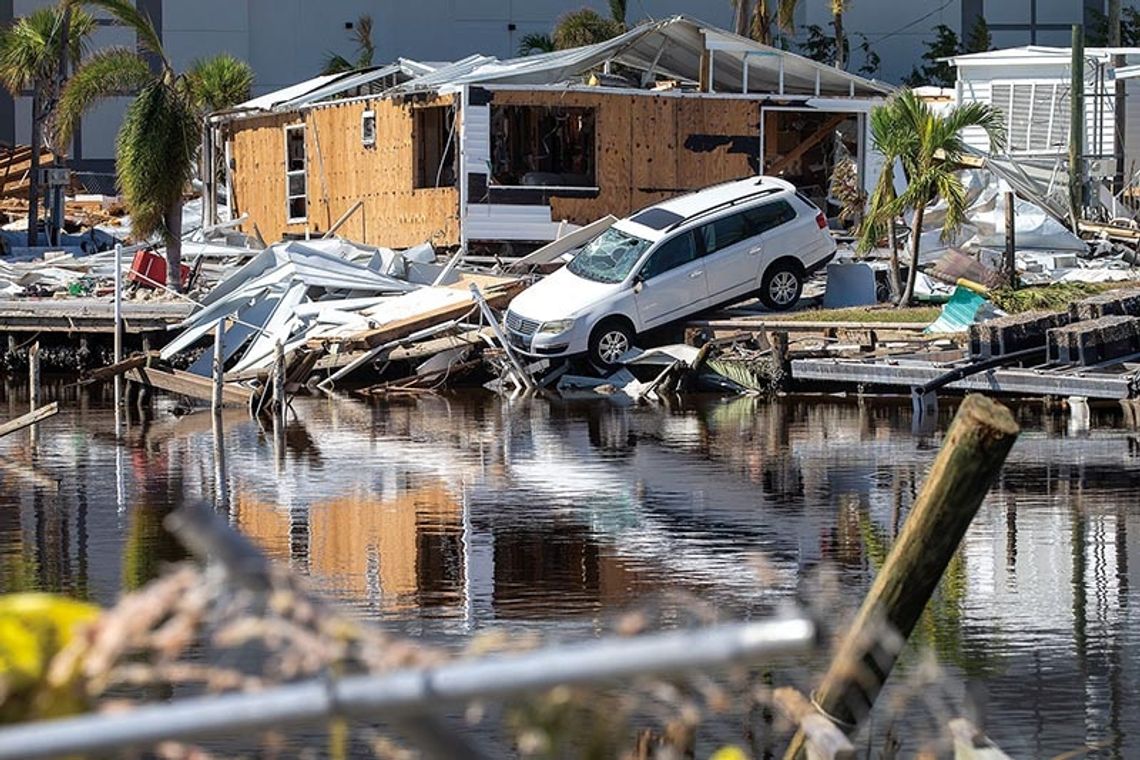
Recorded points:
(446,515)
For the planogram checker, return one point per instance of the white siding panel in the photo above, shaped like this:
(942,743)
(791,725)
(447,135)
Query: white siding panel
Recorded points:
(503,222)
(477,137)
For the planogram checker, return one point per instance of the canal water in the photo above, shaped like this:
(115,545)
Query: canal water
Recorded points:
(444,516)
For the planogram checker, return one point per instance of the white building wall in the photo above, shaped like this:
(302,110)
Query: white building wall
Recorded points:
(977,84)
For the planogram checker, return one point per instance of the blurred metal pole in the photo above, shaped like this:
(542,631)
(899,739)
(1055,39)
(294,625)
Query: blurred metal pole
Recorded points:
(406,693)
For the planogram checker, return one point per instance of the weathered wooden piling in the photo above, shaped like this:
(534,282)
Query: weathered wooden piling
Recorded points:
(218,371)
(34,386)
(118,338)
(975,448)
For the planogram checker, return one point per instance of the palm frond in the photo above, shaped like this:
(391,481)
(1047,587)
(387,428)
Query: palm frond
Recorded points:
(337,64)
(109,72)
(139,21)
(366,48)
(155,155)
(29,49)
(535,43)
(583,27)
(219,82)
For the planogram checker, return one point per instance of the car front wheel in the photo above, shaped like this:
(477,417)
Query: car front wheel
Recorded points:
(781,286)
(608,342)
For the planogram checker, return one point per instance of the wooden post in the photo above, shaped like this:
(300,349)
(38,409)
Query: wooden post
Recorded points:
(1010,239)
(219,370)
(971,457)
(34,385)
(279,381)
(118,337)
(1077,125)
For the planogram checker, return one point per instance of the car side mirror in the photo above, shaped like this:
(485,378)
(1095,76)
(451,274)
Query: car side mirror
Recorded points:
(638,284)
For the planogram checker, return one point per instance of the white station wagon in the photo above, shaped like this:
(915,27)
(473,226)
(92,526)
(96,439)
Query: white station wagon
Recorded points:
(752,237)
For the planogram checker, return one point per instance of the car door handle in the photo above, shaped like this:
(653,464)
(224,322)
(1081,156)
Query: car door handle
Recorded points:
(696,274)
(755,250)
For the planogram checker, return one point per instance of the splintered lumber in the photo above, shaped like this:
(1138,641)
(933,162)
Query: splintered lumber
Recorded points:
(188,384)
(497,296)
(27,420)
(976,446)
(824,740)
(102,374)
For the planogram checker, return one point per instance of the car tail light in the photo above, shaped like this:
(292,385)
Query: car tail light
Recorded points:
(821,220)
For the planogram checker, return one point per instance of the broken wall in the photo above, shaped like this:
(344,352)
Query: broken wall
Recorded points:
(340,170)
(647,148)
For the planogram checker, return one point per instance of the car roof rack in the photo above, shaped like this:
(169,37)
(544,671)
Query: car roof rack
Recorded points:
(724,205)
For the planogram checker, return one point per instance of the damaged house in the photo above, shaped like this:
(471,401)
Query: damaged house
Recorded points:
(482,152)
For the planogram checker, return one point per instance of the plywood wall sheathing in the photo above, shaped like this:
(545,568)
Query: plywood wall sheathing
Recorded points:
(342,171)
(641,150)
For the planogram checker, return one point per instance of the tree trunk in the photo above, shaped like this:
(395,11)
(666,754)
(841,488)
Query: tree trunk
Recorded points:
(896,275)
(915,234)
(740,17)
(34,169)
(174,247)
(840,43)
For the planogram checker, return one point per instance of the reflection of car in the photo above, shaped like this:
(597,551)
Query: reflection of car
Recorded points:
(750,237)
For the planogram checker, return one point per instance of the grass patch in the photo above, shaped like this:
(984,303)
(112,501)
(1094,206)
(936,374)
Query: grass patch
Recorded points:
(864,314)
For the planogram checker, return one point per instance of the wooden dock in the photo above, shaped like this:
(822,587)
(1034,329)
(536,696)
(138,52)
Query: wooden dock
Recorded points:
(89,315)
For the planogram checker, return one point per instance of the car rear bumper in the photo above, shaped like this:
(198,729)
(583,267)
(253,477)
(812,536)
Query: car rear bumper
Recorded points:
(812,269)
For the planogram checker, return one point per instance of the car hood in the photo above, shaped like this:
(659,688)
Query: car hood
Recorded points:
(560,295)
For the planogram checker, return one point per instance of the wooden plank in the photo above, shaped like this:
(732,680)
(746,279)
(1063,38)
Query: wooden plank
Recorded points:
(187,384)
(29,419)
(783,162)
(497,297)
(824,739)
(103,374)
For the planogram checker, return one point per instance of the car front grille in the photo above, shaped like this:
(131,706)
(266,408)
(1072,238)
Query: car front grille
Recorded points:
(521,325)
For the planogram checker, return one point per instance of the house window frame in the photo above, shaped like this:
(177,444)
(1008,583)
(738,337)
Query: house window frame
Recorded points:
(303,172)
(594,112)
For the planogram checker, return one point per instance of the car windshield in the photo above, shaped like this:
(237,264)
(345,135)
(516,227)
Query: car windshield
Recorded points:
(609,257)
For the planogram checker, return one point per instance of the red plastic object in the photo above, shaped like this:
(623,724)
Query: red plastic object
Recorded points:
(149,270)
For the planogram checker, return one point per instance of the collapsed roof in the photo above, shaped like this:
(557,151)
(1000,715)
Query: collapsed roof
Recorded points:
(675,48)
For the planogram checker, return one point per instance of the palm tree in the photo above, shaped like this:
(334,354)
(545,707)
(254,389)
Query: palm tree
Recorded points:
(535,43)
(365,50)
(838,8)
(758,24)
(157,142)
(584,26)
(30,58)
(929,147)
(891,140)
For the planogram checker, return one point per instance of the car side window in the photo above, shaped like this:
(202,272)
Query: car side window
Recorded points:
(672,254)
(769,216)
(724,232)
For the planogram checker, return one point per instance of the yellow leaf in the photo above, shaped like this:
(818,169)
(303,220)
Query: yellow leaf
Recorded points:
(729,753)
(33,629)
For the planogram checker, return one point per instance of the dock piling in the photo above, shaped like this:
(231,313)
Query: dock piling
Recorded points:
(971,457)
(34,386)
(118,337)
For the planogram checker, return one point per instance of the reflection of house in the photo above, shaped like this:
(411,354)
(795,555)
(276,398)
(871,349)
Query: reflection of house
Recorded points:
(489,150)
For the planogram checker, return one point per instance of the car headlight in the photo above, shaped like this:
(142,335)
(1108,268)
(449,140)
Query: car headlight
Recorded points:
(556,327)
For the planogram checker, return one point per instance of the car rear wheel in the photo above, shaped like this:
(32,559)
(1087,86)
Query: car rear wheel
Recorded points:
(781,286)
(609,340)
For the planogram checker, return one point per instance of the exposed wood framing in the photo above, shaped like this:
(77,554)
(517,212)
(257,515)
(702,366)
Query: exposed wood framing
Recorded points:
(342,171)
(783,162)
